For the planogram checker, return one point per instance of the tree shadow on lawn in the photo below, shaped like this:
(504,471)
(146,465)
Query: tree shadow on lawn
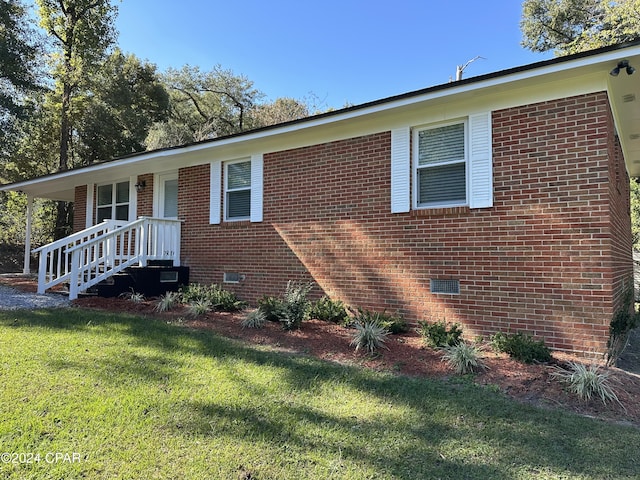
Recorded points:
(447,428)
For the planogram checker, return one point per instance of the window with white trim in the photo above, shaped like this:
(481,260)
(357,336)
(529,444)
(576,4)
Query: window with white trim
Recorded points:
(112,201)
(440,166)
(237,185)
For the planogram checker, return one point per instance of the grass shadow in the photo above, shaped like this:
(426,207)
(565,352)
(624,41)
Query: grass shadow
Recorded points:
(416,428)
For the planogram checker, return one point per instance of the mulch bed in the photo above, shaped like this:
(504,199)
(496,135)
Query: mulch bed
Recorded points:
(404,354)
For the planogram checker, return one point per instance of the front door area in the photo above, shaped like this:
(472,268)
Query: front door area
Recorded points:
(166,199)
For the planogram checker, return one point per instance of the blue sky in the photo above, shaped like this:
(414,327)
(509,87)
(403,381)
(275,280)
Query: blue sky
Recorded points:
(338,51)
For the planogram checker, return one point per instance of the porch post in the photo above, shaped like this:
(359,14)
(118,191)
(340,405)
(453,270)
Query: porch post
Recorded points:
(27,238)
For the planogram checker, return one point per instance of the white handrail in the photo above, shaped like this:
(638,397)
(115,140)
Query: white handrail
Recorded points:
(86,258)
(134,243)
(54,265)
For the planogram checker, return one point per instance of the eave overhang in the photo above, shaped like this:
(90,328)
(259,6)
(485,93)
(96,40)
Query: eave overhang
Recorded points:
(557,78)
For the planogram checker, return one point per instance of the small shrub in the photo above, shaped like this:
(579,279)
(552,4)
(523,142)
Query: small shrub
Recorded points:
(391,323)
(438,335)
(133,296)
(369,335)
(463,358)
(217,297)
(623,321)
(395,324)
(296,306)
(586,382)
(521,347)
(254,319)
(193,292)
(272,307)
(196,308)
(167,301)
(329,310)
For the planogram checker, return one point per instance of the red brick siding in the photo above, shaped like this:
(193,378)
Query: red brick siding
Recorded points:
(79,208)
(145,197)
(552,206)
(622,241)
(547,259)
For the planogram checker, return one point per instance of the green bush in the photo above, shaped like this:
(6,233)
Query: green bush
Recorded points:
(329,310)
(217,297)
(391,323)
(195,308)
(439,335)
(369,335)
(254,319)
(463,358)
(623,321)
(167,301)
(521,347)
(272,307)
(296,306)
(586,382)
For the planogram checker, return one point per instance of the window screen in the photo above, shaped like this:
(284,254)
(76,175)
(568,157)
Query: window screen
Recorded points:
(441,166)
(238,196)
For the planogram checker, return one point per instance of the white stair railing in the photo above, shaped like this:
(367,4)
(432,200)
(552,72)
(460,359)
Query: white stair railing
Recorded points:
(54,264)
(89,259)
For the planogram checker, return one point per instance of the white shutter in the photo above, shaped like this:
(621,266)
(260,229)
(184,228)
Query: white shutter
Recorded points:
(257,163)
(133,198)
(480,160)
(400,170)
(215,193)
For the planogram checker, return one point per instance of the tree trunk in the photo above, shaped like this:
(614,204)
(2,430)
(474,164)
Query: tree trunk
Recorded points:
(65,128)
(64,220)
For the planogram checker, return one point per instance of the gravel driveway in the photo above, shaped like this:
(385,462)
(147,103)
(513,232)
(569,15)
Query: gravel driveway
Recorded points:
(11,299)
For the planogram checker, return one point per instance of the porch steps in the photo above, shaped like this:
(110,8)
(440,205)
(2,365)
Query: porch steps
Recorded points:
(153,280)
(87,258)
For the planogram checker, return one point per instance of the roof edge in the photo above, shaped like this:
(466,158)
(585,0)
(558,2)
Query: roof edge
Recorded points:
(340,112)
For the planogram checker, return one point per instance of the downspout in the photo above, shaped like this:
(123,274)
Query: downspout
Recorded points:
(27,238)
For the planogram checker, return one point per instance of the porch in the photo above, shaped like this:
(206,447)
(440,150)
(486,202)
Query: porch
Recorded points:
(96,254)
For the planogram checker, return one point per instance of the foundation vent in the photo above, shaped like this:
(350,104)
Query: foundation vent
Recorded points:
(451,287)
(232,277)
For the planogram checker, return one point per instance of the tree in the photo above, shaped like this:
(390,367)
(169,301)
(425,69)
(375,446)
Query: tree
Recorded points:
(127,99)
(281,110)
(19,67)
(570,26)
(83,31)
(204,105)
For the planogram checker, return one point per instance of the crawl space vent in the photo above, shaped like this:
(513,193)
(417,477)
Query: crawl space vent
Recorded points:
(232,277)
(445,286)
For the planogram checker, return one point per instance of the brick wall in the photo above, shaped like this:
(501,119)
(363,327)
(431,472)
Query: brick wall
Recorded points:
(145,197)
(550,258)
(79,208)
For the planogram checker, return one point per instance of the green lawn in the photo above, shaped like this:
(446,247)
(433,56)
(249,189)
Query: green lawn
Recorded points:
(128,397)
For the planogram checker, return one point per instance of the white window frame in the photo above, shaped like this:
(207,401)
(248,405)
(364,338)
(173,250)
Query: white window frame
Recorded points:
(114,204)
(416,167)
(227,190)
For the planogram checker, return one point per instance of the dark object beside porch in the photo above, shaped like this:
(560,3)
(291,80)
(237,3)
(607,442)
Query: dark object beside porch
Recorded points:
(153,280)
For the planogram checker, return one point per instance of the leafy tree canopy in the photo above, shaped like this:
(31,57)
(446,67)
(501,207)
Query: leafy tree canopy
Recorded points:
(19,66)
(127,98)
(571,26)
